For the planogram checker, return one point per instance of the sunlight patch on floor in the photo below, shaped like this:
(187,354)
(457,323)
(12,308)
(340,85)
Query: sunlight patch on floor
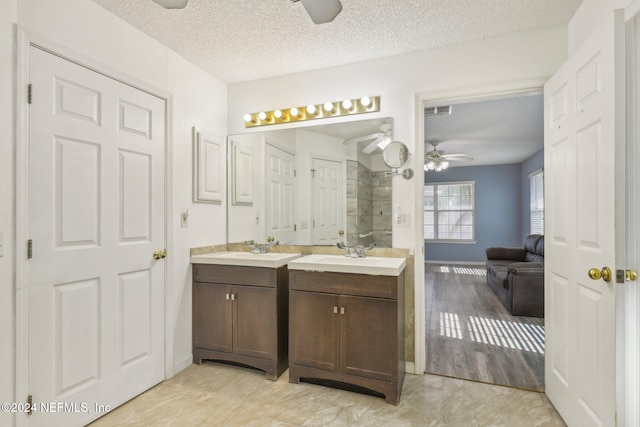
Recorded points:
(472,271)
(509,334)
(516,335)
(450,325)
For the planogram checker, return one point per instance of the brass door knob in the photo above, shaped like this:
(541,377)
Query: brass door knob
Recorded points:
(630,275)
(604,274)
(341,232)
(159,254)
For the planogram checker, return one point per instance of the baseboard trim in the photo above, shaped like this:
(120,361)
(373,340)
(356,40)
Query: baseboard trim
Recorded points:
(410,368)
(183,364)
(455,262)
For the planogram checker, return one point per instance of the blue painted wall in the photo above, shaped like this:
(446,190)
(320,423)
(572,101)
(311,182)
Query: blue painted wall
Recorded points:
(497,211)
(532,164)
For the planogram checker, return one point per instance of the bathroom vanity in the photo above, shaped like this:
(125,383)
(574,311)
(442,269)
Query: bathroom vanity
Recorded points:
(240,309)
(346,322)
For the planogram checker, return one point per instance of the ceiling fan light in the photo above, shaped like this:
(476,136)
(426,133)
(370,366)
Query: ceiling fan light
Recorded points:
(430,165)
(445,165)
(323,11)
(438,168)
(172,4)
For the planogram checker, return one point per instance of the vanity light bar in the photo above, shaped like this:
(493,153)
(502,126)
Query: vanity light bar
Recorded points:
(347,107)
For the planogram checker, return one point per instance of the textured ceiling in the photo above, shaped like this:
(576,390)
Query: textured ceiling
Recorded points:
(242,40)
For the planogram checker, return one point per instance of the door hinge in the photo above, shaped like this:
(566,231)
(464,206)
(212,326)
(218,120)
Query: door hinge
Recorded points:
(30,94)
(313,173)
(29,404)
(295,227)
(295,172)
(29,249)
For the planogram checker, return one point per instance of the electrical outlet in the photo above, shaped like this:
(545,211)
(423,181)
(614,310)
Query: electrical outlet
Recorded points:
(304,224)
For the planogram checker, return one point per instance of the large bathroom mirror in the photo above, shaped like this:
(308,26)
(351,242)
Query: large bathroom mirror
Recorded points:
(317,185)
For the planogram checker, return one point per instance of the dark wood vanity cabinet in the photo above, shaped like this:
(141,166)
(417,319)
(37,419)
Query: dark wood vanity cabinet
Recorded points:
(240,315)
(348,328)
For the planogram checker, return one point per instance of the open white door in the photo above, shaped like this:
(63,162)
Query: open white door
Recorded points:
(584,163)
(96,215)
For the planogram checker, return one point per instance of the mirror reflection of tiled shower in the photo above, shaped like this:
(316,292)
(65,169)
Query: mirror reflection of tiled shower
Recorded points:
(368,206)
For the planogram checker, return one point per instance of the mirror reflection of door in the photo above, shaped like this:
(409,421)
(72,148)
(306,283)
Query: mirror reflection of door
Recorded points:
(328,198)
(280,195)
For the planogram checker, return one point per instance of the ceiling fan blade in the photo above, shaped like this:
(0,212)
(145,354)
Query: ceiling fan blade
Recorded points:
(322,11)
(172,4)
(372,146)
(363,138)
(449,156)
(458,159)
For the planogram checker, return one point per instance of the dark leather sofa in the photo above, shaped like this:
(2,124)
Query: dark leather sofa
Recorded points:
(516,276)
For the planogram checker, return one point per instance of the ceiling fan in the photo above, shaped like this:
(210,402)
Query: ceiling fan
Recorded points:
(320,11)
(437,160)
(378,140)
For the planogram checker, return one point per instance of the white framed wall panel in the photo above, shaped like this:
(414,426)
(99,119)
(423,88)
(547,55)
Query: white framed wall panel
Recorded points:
(208,167)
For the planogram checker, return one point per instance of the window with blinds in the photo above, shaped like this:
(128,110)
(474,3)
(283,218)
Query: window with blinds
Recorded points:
(536,186)
(449,211)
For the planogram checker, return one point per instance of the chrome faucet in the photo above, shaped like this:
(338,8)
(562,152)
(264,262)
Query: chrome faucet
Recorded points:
(261,248)
(357,252)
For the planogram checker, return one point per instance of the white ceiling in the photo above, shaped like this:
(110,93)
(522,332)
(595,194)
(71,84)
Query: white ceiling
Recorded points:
(242,40)
(500,131)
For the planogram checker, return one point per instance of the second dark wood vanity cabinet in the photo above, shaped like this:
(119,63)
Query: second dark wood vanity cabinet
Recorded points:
(348,328)
(240,315)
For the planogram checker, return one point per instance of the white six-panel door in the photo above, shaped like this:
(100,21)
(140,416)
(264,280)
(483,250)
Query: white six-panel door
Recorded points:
(96,215)
(328,198)
(280,170)
(584,107)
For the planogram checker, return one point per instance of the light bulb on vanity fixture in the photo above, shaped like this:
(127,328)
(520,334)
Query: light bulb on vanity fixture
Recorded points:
(312,110)
(346,107)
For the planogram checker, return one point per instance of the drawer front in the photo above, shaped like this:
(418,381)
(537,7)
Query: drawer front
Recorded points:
(346,284)
(237,275)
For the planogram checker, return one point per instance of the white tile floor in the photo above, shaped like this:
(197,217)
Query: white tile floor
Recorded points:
(219,395)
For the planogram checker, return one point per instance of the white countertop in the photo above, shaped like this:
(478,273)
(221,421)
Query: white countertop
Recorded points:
(247,259)
(376,266)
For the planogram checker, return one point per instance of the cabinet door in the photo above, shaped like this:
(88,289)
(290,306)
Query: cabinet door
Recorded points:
(255,322)
(314,338)
(369,338)
(212,317)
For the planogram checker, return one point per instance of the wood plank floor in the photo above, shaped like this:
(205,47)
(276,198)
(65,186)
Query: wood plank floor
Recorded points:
(471,335)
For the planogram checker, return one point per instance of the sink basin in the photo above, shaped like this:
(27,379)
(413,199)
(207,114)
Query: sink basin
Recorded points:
(247,259)
(376,266)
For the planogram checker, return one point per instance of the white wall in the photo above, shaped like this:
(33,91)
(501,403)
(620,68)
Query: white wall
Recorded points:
(524,60)
(88,31)
(8,15)
(587,17)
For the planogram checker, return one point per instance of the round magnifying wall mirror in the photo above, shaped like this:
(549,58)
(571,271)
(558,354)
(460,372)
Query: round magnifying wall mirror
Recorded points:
(395,155)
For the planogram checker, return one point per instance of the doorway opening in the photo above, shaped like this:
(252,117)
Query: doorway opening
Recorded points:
(482,188)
